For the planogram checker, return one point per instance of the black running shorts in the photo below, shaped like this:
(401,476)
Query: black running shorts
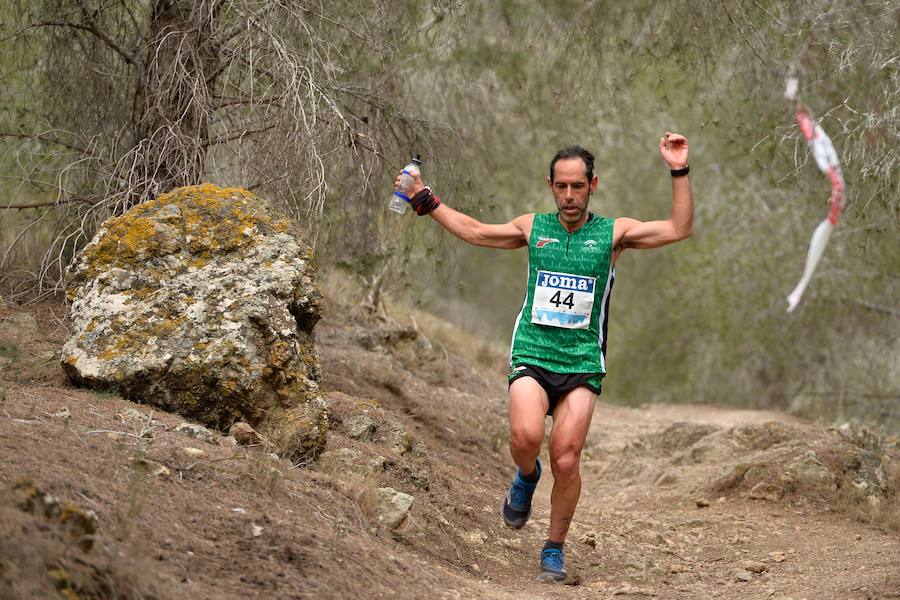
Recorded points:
(557,385)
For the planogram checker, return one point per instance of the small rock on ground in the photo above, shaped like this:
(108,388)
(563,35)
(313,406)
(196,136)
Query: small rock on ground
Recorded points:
(360,427)
(754,566)
(742,575)
(244,434)
(392,507)
(197,431)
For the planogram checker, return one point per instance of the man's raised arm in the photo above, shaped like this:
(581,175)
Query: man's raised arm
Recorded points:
(631,233)
(506,235)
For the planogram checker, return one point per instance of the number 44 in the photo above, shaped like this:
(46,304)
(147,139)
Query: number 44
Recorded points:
(568,300)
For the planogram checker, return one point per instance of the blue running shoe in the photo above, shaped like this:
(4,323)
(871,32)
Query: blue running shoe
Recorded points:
(553,566)
(517,503)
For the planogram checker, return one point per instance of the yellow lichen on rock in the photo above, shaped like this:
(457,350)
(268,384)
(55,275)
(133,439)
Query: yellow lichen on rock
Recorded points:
(199,220)
(297,432)
(201,301)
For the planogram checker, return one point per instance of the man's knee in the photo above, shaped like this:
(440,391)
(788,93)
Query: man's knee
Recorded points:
(526,439)
(565,463)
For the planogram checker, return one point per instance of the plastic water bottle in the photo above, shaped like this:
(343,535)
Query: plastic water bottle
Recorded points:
(400,198)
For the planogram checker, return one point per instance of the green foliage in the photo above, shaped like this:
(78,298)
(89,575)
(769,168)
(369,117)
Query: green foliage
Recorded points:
(487,92)
(715,324)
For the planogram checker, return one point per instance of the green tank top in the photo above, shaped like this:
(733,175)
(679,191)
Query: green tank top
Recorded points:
(562,324)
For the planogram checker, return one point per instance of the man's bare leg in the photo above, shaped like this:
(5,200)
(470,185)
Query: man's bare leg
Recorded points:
(528,406)
(571,421)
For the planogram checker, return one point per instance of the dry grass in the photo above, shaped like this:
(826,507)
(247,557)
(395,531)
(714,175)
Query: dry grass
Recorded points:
(883,513)
(346,295)
(490,357)
(358,487)
(37,545)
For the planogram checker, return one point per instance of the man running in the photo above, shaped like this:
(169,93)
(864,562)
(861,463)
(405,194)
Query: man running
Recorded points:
(557,359)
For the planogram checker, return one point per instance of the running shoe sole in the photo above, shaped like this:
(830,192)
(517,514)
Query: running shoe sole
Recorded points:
(551,577)
(513,523)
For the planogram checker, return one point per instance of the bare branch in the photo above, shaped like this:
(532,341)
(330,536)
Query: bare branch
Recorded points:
(93,28)
(44,137)
(887,310)
(238,135)
(226,102)
(259,92)
(31,205)
(90,29)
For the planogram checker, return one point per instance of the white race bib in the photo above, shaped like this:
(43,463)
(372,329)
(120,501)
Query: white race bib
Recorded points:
(563,300)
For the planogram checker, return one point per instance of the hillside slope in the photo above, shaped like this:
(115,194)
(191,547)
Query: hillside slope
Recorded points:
(657,518)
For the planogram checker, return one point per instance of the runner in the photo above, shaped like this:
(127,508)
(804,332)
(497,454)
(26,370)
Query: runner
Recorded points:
(557,358)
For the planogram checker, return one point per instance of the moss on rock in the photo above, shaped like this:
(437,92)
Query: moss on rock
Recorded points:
(201,302)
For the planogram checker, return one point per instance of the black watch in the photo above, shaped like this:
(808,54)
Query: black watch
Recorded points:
(680,172)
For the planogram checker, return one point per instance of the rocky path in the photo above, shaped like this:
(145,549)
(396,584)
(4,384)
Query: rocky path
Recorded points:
(689,502)
(640,533)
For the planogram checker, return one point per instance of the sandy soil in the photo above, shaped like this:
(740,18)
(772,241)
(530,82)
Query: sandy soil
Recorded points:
(236,522)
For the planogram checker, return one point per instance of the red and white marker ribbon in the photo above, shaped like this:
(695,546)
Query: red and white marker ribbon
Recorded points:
(826,158)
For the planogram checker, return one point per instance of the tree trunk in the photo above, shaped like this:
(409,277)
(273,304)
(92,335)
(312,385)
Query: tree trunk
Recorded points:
(172,102)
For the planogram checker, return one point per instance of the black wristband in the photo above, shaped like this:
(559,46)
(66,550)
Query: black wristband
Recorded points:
(424,202)
(680,172)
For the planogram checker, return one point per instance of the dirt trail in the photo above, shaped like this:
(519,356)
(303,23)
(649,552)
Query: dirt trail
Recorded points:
(238,523)
(632,538)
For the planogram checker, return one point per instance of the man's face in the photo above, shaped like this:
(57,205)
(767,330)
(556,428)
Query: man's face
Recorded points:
(571,190)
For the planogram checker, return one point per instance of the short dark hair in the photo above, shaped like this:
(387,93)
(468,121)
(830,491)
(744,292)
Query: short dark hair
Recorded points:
(573,152)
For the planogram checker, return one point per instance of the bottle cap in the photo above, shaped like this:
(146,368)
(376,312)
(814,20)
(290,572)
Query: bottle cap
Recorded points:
(417,160)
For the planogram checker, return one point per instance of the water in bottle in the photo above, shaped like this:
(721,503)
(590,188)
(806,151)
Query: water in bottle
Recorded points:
(400,198)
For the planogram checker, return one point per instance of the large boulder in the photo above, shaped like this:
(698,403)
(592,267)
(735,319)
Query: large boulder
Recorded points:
(203,302)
